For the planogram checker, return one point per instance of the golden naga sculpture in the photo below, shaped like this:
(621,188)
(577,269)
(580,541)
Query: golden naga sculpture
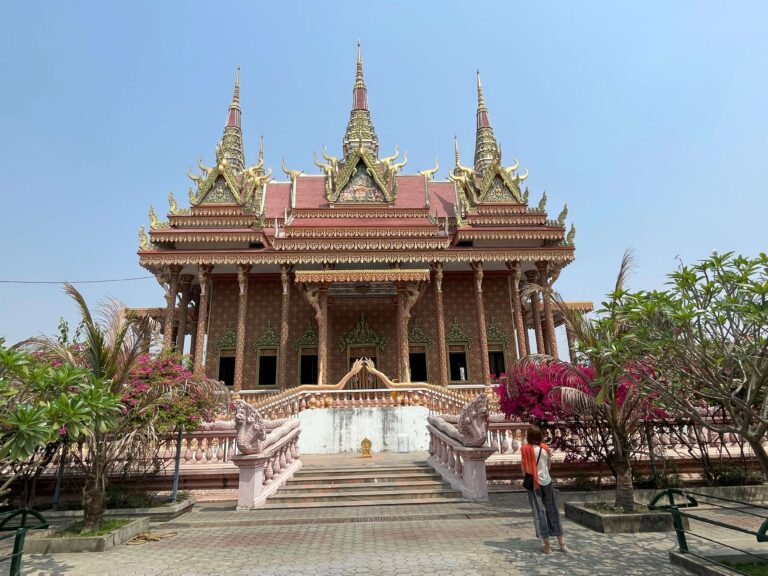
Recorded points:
(204,169)
(332,159)
(174,208)
(525,196)
(563,214)
(521,177)
(327,168)
(543,202)
(430,174)
(196,179)
(389,159)
(143,239)
(399,166)
(511,169)
(571,235)
(292,174)
(153,221)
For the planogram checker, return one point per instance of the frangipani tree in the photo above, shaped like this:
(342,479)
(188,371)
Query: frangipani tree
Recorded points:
(705,340)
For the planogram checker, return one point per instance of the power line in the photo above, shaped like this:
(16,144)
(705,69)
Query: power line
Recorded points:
(73,281)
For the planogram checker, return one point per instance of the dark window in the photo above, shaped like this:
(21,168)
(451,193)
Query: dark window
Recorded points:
(227,369)
(417,360)
(308,368)
(457,363)
(267,367)
(496,362)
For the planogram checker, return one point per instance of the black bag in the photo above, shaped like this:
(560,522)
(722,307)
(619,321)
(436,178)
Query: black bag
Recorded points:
(528,478)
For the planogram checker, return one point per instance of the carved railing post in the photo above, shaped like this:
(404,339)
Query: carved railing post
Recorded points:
(181,332)
(477,269)
(204,272)
(242,309)
(536,314)
(442,353)
(170,310)
(285,278)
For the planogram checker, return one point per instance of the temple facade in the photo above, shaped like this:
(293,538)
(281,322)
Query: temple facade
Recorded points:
(273,283)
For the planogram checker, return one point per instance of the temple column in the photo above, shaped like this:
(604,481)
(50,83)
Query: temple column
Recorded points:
(403,314)
(571,346)
(536,315)
(242,309)
(186,286)
(170,310)
(442,353)
(547,279)
(517,309)
(146,335)
(285,278)
(204,272)
(322,335)
(477,268)
(196,316)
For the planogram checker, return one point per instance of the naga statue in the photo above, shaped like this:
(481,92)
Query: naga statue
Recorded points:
(473,422)
(251,428)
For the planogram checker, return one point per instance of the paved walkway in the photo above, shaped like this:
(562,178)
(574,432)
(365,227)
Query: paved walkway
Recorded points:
(463,539)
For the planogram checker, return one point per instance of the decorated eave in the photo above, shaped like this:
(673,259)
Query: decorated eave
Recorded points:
(348,276)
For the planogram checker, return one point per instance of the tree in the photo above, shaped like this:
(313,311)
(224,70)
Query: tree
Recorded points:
(148,403)
(39,402)
(705,342)
(603,398)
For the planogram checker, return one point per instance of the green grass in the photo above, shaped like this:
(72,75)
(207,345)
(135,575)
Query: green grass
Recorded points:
(752,568)
(106,526)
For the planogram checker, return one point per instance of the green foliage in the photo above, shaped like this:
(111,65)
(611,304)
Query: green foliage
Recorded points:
(735,475)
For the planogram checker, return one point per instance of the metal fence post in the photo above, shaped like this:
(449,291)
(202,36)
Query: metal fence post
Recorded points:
(677,520)
(18,551)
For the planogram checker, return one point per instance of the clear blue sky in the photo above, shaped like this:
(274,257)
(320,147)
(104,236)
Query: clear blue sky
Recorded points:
(649,119)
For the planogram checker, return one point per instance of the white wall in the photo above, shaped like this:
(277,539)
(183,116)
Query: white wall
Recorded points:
(334,430)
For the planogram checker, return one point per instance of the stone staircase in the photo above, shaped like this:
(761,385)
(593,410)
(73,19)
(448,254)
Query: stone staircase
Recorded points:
(332,486)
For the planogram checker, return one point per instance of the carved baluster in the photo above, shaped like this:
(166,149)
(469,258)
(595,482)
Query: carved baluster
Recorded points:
(451,458)
(458,468)
(268,474)
(208,450)
(504,442)
(188,450)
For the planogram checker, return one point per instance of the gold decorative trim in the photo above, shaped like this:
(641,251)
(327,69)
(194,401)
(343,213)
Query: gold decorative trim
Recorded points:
(360,244)
(530,219)
(196,236)
(362,212)
(561,254)
(213,221)
(338,276)
(425,230)
(510,235)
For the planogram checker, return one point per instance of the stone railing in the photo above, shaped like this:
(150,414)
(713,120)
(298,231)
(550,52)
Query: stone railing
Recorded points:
(290,402)
(263,473)
(461,466)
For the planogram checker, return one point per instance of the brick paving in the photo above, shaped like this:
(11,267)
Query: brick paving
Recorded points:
(461,539)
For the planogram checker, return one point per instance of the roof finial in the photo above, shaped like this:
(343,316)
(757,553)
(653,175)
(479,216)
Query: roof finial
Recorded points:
(236,96)
(359,82)
(261,149)
(480,98)
(456,148)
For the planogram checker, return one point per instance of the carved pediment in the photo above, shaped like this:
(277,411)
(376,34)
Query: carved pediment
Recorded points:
(362,333)
(361,178)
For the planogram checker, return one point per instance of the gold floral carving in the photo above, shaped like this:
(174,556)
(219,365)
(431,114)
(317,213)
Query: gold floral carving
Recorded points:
(337,276)
(361,244)
(422,231)
(362,333)
(361,212)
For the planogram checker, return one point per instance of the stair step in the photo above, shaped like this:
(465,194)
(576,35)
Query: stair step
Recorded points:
(364,477)
(334,470)
(351,496)
(315,487)
(345,503)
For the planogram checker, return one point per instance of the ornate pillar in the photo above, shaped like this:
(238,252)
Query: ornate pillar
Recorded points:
(322,335)
(285,278)
(196,317)
(517,309)
(402,332)
(477,268)
(204,272)
(186,285)
(242,308)
(535,314)
(170,310)
(146,335)
(571,347)
(442,353)
(547,279)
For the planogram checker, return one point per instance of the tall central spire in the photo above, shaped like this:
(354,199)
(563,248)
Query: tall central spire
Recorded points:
(232,142)
(486,149)
(360,132)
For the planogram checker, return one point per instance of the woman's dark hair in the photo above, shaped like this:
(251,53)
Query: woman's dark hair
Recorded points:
(533,435)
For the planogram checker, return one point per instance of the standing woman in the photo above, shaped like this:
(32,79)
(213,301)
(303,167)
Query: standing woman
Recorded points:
(536,462)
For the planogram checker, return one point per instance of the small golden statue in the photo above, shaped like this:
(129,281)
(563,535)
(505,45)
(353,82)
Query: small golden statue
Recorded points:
(365,446)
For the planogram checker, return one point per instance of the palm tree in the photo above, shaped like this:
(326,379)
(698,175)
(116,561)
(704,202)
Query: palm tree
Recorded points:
(129,437)
(608,403)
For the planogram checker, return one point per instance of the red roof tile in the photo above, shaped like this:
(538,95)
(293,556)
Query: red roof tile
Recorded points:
(310,192)
(278,197)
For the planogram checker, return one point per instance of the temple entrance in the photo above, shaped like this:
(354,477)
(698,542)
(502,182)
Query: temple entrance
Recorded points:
(359,352)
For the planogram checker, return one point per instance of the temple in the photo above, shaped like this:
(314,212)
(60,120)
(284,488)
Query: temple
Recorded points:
(284,282)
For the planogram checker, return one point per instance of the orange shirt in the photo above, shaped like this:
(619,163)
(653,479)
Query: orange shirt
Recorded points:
(529,461)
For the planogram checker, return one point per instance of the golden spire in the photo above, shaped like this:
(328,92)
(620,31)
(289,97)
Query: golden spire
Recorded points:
(480,98)
(236,95)
(360,128)
(232,141)
(261,150)
(456,149)
(359,82)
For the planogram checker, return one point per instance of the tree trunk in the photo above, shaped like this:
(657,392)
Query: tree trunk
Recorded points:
(625,491)
(94,502)
(760,454)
